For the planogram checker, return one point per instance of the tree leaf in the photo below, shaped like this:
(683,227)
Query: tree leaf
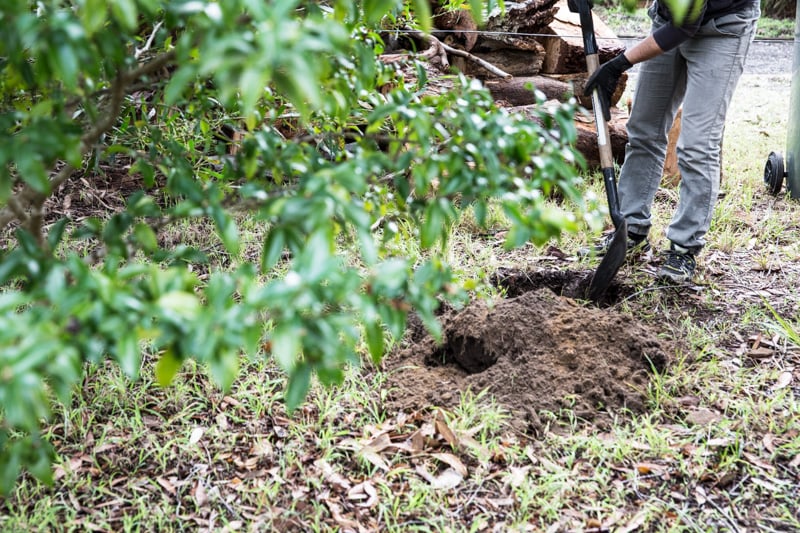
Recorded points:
(273,248)
(126,13)
(422,13)
(299,383)
(128,354)
(374,334)
(166,368)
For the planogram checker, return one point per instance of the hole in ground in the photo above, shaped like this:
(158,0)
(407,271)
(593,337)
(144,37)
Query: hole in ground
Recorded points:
(568,283)
(467,352)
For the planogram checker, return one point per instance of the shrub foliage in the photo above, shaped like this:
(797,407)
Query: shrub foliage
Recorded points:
(339,161)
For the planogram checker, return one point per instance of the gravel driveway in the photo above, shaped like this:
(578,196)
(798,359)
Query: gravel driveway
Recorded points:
(765,57)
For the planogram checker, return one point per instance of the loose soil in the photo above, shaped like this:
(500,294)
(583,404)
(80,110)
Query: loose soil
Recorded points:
(540,354)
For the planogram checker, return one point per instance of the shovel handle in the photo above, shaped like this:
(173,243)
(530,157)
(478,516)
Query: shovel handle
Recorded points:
(584,8)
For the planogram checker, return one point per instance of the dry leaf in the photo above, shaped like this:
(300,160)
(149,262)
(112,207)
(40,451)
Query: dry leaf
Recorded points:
(700,495)
(417,441)
(336,513)
(448,479)
(452,461)
(496,503)
(374,458)
(363,491)
(703,417)
(196,435)
(169,487)
(768,440)
(635,523)
(720,442)
(379,443)
(444,430)
(784,380)
(330,475)
(261,448)
(200,494)
(649,468)
(517,475)
(761,353)
(757,461)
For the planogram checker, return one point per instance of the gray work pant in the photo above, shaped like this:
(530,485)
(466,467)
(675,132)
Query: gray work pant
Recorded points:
(701,74)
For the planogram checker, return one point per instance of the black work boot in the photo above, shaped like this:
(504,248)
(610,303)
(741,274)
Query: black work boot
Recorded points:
(679,265)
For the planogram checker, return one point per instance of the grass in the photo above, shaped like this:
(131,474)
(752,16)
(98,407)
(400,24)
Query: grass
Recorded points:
(718,449)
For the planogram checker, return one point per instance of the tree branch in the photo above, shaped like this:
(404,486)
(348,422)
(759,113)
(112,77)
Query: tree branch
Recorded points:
(31,201)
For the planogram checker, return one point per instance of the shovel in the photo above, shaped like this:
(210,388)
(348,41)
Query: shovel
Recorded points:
(615,255)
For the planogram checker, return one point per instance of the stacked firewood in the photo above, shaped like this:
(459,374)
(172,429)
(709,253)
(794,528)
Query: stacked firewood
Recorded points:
(534,44)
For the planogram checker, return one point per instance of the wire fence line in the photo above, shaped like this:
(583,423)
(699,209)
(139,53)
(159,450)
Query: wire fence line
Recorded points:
(551,35)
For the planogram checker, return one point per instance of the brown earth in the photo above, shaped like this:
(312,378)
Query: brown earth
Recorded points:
(537,353)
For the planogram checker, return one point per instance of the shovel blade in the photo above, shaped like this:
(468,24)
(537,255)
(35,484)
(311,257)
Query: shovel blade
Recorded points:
(610,265)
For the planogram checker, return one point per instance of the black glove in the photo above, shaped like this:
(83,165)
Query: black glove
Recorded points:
(605,80)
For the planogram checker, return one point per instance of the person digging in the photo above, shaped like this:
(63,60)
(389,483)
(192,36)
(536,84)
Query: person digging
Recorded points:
(696,65)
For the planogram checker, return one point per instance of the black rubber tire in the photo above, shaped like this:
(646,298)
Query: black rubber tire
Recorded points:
(774,173)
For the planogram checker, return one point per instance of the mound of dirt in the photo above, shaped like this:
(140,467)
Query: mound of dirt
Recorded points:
(537,352)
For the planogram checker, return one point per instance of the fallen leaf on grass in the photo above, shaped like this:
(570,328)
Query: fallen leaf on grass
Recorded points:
(516,475)
(635,523)
(444,430)
(199,493)
(449,479)
(784,380)
(761,353)
(703,417)
(330,475)
(363,491)
(768,440)
(169,487)
(196,435)
(497,503)
(452,461)
(650,468)
(700,495)
(758,462)
(720,442)
(336,512)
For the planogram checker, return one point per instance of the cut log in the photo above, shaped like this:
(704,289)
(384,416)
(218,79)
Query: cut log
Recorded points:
(559,87)
(564,51)
(587,137)
(515,91)
(587,133)
(515,62)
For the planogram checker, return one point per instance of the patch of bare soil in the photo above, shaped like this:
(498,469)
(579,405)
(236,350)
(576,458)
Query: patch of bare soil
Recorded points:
(536,353)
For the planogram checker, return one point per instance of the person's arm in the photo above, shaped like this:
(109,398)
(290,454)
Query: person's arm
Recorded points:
(643,50)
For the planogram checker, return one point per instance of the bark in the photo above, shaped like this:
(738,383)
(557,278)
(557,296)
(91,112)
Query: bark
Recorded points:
(528,16)
(587,134)
(514,62)
(558,87)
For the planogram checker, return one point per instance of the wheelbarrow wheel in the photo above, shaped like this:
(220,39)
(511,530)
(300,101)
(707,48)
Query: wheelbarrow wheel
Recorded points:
(774,173)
